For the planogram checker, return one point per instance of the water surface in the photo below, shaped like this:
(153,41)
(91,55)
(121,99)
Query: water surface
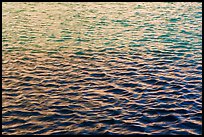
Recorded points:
(101,68)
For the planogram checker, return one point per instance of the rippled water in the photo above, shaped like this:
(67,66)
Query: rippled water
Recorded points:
(102,68)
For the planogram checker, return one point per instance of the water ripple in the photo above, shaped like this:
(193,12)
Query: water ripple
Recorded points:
(102,68)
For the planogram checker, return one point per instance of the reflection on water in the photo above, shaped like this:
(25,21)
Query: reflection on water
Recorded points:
(102,68)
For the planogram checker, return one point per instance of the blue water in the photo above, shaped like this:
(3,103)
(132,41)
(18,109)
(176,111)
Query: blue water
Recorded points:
(102,68)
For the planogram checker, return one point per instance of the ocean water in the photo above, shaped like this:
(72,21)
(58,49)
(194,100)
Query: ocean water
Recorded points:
(102,68)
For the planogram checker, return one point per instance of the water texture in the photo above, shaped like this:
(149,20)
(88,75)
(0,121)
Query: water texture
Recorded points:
(101,68)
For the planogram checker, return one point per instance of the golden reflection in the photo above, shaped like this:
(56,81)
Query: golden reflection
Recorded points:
(83,68)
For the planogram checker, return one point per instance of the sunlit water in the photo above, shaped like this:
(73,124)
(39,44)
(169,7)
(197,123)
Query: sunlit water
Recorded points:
(102,68)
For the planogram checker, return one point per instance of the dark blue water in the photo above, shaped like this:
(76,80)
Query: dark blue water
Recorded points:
(102,68)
